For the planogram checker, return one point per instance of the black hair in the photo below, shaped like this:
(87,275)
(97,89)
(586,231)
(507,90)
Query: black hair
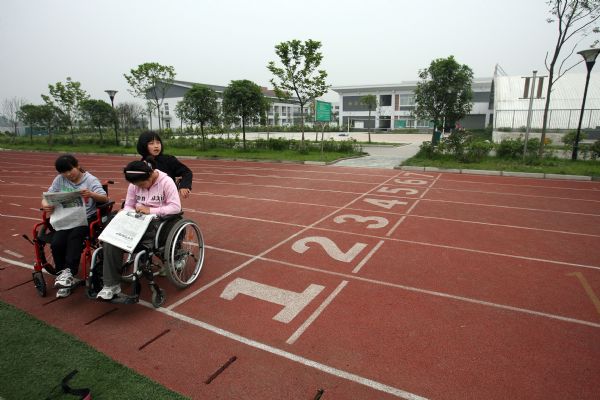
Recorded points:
(137,171)
(66,162)
(145,138)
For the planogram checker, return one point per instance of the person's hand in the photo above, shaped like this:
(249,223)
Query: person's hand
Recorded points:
(87,193)
(142,209)
(47,208)
(183,192)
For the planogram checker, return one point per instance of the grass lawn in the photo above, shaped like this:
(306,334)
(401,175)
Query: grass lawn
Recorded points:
(35,357)
(549,166)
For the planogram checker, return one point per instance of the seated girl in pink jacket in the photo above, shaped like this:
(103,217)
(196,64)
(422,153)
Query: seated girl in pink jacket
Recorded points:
(150,192)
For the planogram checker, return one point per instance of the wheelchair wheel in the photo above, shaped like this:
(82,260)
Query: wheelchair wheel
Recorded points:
(184,253)
(40,283)
(95,282)
(158,297)
(44,259)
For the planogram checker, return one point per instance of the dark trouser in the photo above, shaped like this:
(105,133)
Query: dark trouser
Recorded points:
(67,246)
(112,265)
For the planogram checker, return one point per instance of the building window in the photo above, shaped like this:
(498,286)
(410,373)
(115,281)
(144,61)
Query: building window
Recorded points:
(385,100)
(167,124)
(166,108)
(407,99)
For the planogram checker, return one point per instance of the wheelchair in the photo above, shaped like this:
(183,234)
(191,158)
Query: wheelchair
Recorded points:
(42,237)
(177,248)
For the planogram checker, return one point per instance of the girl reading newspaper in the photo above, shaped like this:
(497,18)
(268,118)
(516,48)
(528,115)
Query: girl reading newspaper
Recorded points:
(150,191)
(68,241)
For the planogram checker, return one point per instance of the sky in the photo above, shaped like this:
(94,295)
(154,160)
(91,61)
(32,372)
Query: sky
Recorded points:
(364,42)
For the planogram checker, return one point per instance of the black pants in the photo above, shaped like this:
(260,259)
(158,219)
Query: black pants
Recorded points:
(67,246)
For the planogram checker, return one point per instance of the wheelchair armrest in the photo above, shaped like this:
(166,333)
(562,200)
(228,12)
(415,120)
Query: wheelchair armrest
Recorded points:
(169,217)
(105,206)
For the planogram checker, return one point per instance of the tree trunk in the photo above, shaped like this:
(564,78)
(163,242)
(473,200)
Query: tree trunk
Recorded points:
(302,121)
(244,132)
(546,108)
(369,130)
(202,134)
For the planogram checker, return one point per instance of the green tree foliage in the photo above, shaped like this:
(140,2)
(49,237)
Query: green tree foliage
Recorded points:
(574,19)
(444,92)
(98,113)
(298,74)
(151,81)
(245,100)
(370,101)
(199,106)
(67,98)
(41,116)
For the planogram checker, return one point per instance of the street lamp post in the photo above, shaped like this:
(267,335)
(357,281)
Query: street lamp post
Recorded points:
(111,94)
(590,59)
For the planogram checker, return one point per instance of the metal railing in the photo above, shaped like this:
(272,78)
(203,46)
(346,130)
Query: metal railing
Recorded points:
(557,119)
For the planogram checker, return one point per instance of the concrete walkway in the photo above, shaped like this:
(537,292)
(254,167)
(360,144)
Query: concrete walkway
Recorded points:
(401,147)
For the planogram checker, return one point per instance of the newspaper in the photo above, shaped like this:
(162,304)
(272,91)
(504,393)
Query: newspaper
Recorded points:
(69,209)
(126,229)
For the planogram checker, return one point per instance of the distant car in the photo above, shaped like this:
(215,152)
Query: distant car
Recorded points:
(342,134)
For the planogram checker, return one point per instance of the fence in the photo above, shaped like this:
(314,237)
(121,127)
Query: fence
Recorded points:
(557,119)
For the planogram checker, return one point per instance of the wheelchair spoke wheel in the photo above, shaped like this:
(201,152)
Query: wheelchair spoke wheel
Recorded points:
(44,257)
(184,253)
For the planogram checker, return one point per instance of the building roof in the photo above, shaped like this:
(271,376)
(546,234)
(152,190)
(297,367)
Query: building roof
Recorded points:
(269,93)
(479,84)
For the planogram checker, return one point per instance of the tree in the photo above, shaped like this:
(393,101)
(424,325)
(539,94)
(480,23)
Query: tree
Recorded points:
(370,101)
(151,81)
(98,113)
(574,18)
(45,115)
(444,92)
(129,116)
(66,97)
(10,110)
(199,106)
(298,74)
(245,100)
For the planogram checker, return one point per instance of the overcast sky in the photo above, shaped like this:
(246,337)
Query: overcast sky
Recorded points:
(364,42)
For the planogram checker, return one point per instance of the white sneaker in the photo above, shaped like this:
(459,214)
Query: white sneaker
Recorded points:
(108,292)
(64,279)
(63,292)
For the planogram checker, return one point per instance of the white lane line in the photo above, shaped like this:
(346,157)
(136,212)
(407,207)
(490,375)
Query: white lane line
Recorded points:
(12,253)
(290,356)
(15,204)
(367,257)
(292,339)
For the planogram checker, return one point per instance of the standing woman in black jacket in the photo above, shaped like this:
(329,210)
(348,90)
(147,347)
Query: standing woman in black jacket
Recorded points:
(150,144)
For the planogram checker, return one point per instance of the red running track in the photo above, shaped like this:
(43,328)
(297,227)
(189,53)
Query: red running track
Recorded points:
(368,284)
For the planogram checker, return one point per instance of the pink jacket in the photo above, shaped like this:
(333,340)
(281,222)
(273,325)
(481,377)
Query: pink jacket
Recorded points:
(162,198)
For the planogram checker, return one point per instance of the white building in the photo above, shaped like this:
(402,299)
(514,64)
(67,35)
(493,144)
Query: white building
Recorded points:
(395,103)
(281,113)
(512,95)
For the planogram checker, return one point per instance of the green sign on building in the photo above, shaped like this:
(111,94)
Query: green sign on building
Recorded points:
(323,111)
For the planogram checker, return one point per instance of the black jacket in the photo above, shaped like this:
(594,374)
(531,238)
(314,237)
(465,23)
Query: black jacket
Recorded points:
(170,165)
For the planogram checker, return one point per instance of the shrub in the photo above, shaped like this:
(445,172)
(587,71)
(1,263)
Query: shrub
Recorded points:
(595,150)
(477,151)
(510,148)
(569,138)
